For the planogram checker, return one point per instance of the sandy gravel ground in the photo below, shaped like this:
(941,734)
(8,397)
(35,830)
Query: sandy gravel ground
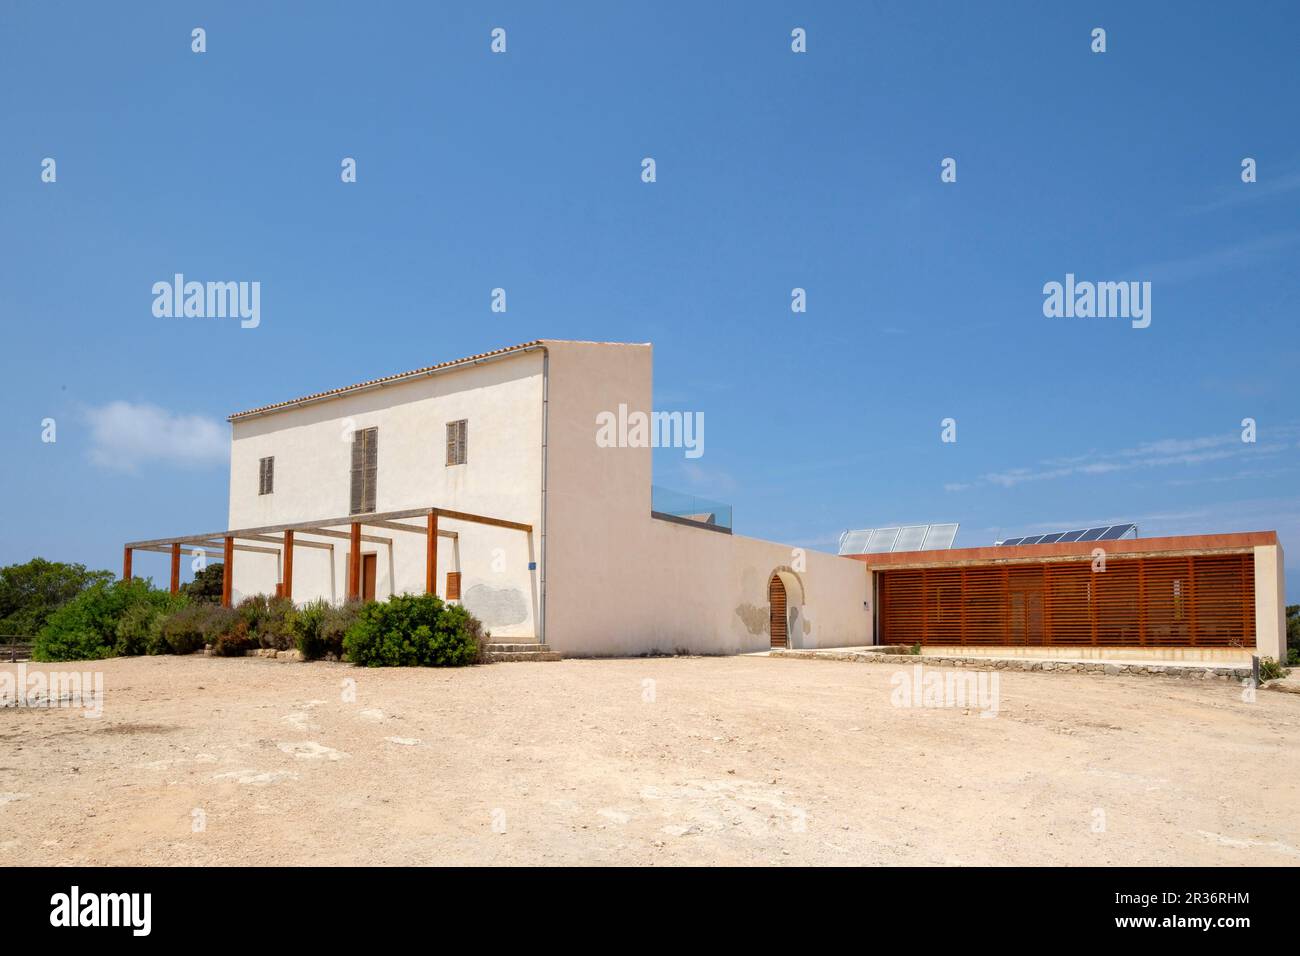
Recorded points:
(744,760)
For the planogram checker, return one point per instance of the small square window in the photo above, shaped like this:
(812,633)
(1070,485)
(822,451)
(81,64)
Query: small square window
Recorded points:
(457,442)
(266,476)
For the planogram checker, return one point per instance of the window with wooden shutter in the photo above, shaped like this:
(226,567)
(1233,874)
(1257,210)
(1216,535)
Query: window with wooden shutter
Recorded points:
(457,442)
(365,469)
(266,476)
(453,585)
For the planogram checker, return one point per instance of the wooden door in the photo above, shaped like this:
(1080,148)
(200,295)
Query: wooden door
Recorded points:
(776,599)
(369,571)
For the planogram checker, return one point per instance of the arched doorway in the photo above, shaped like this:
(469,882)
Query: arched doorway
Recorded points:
(776,605)
(785,602)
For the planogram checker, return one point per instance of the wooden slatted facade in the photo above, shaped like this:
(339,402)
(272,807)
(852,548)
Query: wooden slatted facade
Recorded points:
(1198,600)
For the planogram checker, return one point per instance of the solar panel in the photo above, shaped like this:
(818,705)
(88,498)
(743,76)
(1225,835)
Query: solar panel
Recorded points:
(912,538)
(1105,533)
(855,542)
(1117,531)
(940,537)
(882,540)
(916,537)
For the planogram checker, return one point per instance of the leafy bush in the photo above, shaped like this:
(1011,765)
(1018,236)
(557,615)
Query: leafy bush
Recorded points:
(187,629)
(1270,669)
(275,630)
(414,630)
(318,628)
(234,639)
(86,628)
(1292,657)
(268,621)
(140,628)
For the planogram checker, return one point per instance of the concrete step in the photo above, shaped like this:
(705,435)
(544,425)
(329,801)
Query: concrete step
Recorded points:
(521,652)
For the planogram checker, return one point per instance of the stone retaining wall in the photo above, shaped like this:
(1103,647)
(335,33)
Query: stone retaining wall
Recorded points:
(1106,668)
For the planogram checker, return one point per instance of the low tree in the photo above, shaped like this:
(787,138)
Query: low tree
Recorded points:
(31,592)
(207,585)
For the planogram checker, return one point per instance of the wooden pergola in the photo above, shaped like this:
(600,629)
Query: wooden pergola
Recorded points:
(282,539)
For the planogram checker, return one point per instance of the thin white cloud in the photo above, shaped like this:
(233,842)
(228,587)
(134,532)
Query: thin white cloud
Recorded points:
(126,435)
(1241,193)
(1163,453)
(1252,252)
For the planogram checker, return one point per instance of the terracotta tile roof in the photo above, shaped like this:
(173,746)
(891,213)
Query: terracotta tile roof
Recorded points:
(331,393)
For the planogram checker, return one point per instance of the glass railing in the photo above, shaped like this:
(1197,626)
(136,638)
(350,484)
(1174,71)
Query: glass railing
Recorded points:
(677,504)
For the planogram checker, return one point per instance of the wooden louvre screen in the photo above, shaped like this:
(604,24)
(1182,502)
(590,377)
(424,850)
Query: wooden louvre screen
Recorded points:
(1203,600)
(453,585)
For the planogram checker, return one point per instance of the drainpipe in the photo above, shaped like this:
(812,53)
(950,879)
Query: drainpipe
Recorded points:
(541,547)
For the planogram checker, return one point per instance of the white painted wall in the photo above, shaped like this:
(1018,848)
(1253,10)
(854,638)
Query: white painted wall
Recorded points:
(1270,602)
(621,582)
(502,401)
(618,581)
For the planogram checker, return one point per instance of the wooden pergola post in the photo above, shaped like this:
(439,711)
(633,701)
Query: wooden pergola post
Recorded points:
(354,564)
(227,571)
(176,568)
(126,564)
(431,555)
(288,564)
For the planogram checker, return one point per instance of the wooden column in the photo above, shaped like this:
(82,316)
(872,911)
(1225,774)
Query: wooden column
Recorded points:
(176,568)
(431,556)
(126,564)
(227,571)
(354,564)
(288,565)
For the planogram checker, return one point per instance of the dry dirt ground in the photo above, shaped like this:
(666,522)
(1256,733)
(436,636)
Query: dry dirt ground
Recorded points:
(743,760)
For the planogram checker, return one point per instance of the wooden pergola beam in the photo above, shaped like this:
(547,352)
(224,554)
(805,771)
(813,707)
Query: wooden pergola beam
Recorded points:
(342,522)
(482,519)
(344,535)
(251,548)
(286,541)
(414,529)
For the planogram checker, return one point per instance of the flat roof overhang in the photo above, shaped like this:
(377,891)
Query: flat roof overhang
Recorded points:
(1073,550)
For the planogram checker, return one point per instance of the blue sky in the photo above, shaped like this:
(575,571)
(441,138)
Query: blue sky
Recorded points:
(775,170)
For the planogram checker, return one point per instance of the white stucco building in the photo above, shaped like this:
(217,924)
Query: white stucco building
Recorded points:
(484,480)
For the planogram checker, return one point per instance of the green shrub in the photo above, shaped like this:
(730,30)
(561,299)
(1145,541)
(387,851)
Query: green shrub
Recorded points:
(234,639)
(86,628)
(1269,669)
(318,628)
(414,630)
(187,629)
(140,628)
(267,621)
(275,629)
(1292,657)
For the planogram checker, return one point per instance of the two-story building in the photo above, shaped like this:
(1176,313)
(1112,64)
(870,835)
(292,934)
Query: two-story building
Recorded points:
(485,480)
